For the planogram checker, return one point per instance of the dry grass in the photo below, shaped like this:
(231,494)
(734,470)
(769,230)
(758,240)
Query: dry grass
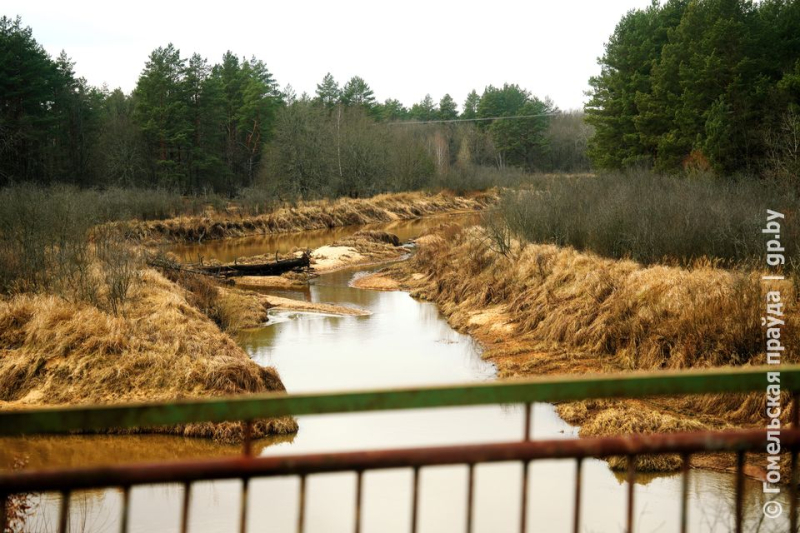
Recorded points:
(230,309)
(161,347)
(543,309)
(603,418)
(377,281)
(320,214)
(635,317)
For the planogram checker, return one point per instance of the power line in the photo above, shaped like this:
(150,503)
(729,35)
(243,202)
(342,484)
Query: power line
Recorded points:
(408,122)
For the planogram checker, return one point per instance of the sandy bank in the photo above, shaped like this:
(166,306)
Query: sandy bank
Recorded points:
(289,304)
(361,248)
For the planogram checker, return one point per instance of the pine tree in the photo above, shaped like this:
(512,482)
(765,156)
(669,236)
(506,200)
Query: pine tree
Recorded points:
(424,110)
(328,92)
(471,105)
(356,92)
(448,108)
(162,112)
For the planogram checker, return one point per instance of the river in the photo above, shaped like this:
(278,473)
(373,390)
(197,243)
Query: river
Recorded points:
(403,342)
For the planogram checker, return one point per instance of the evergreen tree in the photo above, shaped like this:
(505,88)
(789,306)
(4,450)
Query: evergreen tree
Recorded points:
(328,92)
(424,110)
(448,108)
(471,105)
(41,116)
(356,92)
(392,110)
(163,115)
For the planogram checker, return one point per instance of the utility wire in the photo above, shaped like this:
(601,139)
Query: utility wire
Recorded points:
(408,122)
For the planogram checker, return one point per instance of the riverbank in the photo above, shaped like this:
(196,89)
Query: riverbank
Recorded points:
(160,346)
(542,309)
(321,214)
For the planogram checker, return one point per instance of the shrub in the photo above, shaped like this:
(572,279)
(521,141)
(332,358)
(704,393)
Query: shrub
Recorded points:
(652,218)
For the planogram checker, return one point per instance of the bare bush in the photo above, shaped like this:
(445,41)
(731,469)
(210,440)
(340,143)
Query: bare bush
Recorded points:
(651,218)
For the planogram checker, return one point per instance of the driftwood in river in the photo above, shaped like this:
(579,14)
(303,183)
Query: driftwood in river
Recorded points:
(274,268)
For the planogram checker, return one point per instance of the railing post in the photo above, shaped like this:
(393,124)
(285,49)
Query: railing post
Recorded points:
(576,519)
(415,500)
(794,476)
(4,503)
(686,463)
(187,495)
(739,491)
(631,459)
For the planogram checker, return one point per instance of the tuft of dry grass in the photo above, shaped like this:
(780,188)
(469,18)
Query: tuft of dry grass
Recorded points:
(161,347)
(231,309)
(320,214)
(603,418)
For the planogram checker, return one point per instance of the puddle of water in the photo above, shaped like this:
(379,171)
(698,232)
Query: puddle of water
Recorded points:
(403,343)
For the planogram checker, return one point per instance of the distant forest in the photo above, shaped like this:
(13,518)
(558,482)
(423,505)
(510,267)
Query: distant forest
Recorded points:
(709,86)
(193,127)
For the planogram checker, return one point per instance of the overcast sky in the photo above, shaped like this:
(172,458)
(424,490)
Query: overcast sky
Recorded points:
(403,51)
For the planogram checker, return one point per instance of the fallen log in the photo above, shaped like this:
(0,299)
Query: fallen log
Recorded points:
(275,268)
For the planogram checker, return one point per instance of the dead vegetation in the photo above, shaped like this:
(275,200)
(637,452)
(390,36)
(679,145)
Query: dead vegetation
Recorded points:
(161,347)
(543,309)
(321,214)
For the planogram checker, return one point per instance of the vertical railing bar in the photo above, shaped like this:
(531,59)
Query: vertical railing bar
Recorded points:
(126,502)
(686,463)
(576,521)
(5,499)
(739,491)
(243,507)
(793,493)
(631,484)
(187,494)
(359,489)
(301,509)
(470,495)
(63,512)
(794,479)
(523,518)
(247,441)
(527,435)
(415,500)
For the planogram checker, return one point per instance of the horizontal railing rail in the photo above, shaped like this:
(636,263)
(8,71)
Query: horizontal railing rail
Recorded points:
(56,420)
(286,465)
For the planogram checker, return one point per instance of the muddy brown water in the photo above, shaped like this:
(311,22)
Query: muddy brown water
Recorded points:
(403,342)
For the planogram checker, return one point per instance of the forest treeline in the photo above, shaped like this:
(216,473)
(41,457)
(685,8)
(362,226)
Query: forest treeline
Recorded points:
(698,85)
(192,126)
(685,85)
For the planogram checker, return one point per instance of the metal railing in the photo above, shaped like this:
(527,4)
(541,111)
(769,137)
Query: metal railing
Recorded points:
(252,407)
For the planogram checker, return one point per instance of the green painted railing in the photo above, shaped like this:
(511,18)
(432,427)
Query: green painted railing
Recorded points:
(255,406)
